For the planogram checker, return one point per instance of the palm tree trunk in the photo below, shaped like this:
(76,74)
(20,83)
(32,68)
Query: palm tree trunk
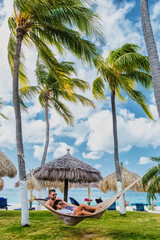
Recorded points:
(19,140)
(47,133)
(152,50)
(116,155)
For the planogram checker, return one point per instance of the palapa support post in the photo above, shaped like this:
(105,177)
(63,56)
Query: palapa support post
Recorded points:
(65,190)
(152,204)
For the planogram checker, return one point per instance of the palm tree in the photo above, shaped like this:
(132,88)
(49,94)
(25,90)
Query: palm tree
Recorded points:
(121,70)
(151,181)
(42,24)
(53,87)
(152,50)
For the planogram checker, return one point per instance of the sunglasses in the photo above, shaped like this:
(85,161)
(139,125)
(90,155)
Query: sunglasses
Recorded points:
(54,194)
(61,204)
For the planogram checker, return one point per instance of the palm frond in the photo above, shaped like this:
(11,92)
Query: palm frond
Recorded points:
(143,78)
(23,80)
(138,97)
(63,111)
(98,88)
(28,92)
(85,101)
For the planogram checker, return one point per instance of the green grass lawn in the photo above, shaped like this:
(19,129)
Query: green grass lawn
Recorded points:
(135,225)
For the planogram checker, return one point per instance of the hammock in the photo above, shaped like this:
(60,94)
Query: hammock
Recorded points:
(73,220)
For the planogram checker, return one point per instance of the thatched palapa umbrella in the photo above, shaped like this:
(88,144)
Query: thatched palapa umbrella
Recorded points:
(6,166)
(110,182)
(67,169)
(33,183)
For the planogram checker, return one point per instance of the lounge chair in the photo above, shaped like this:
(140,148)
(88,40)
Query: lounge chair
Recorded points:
(73,201)
(112,207)
(3,203)
(98,200)
(139,206)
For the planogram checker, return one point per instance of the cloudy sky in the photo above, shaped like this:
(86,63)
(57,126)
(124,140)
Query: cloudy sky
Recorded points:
(91,138)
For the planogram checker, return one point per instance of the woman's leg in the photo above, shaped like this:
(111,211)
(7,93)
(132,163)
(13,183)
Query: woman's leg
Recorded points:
(85,207)
(83,212)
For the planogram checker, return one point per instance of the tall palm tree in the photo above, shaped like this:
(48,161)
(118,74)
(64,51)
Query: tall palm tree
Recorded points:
(151,181)
(152,50)
(121,70)
(53,87)
(44,23)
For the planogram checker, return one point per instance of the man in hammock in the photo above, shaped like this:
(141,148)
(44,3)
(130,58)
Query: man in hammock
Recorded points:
(53,196)
(82,209)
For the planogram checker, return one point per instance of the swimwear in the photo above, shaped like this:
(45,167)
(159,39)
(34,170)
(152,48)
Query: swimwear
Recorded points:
(66,211)
(69,208)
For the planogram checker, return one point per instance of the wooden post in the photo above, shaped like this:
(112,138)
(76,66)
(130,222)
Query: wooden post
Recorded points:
(89,193)
(48,190)
(66,190)
(124,200)
(31,197)
(152,204)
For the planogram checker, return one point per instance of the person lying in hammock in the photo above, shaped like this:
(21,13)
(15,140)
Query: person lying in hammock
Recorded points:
(82,209)
(52,197)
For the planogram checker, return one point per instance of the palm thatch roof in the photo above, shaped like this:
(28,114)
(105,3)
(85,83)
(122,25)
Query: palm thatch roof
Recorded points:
(85,185)
(68,167)
(110,182)
(1,184)
(6,166)
(32,184)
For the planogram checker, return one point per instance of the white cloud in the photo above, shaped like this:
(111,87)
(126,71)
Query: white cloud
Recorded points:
(117,28)
(144,161)
(126,162)
(92,155)
(61,150)
(38,151)
(34,131)
(97,166)
(155,10)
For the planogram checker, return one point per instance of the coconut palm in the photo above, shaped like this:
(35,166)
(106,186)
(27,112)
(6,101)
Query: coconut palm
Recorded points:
(53,87)
(151,181)
(152,50)
(42,24)
(121,70)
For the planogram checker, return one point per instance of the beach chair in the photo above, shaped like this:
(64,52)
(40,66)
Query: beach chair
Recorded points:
(98,200)
(139,206)
(112,207)
(3,203)
(73,201)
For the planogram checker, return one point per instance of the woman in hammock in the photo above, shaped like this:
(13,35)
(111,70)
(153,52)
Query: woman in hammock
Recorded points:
(82,209)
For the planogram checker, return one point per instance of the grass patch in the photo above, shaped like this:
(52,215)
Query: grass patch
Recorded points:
(134,225)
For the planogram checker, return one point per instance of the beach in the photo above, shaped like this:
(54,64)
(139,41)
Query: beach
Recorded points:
(13,197)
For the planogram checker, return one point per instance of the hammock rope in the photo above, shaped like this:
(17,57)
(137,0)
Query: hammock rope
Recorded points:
(73,220)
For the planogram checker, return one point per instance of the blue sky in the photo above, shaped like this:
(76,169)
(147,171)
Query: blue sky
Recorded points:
(91,138)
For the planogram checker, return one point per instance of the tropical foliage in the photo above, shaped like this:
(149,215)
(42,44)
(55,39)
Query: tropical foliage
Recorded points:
(53,87)
(151,180)
(120,71)
(42,24)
